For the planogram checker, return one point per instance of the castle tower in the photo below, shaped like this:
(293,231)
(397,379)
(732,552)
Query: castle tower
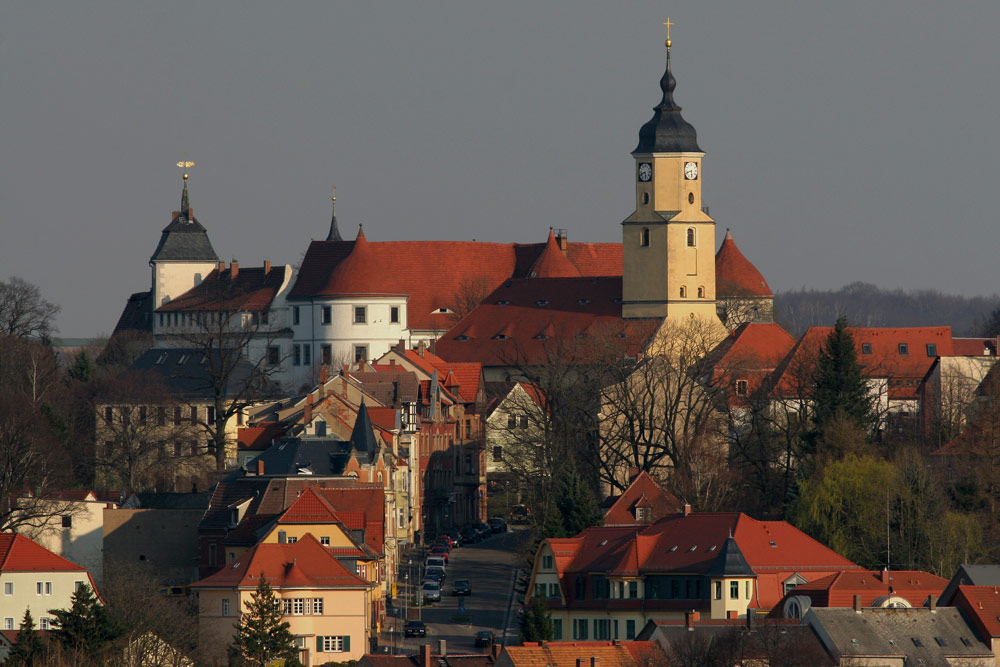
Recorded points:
(669,241)
(184,255)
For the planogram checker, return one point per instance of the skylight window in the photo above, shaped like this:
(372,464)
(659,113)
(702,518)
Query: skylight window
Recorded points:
(866,348)
(583,302)
(673,548)
(462,337)
(542,302)
(941,641)
(931,350)
(603,543)
(503,302)
(773,543)
(161,359)
(712,548)
(966,641)
(692,548)
(904,348)
(917,642)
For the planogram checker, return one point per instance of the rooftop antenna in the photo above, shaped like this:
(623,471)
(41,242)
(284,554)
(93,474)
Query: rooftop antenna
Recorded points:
(887,551)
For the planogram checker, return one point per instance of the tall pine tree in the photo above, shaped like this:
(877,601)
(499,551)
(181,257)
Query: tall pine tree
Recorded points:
(841,389)
(85,626)
(28,645)
(576,503)
(536,624)
(261,635)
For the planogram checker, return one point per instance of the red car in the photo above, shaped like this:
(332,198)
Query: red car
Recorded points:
(445,540)
(440,551)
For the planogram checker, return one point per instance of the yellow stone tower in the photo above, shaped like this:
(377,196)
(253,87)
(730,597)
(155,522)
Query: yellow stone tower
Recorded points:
(669,241)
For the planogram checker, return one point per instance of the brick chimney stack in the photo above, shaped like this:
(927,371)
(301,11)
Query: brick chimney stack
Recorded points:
(425,655)
(443,648)
(687,509)
(595,661)
(267,266)
(690,618)
(857,603)
(234,269)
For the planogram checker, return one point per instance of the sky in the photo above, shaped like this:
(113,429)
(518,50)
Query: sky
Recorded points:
(846,141)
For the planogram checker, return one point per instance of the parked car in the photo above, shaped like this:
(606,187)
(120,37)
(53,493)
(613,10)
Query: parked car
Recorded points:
(497,524)
(456,538)
(432,591)
(484,529)
(461,587)
(416,628)
(435,560)
(441,552)
(444,539)
(484,638)
(436,571)
(470,536)
(520,514)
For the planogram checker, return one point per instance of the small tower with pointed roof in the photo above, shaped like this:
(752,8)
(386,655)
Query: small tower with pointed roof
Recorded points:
(732,581)
(669,241)
(184,255)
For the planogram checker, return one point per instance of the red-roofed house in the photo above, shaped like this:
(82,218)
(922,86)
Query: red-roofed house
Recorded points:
(327,606)
(981,606)
(887,589)
(33,578)
(643,502)
(608,581)
(742,293)
(593,654)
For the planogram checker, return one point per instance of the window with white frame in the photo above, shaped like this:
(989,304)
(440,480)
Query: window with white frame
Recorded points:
(8,588)
(333,644)
(8,623)
(325,541)
(43,623)
(317,606)
(298,606)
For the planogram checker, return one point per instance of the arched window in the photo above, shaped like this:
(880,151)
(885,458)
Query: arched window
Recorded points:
(701,292)
(645,198)
(684,292)
(644,237)
(691,237)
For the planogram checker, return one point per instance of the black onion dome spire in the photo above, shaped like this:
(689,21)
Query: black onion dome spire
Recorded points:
(667,131)
(334,233)
(184,239)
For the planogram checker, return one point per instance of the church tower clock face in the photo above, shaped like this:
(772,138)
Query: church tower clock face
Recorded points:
(691,171)
(645,172)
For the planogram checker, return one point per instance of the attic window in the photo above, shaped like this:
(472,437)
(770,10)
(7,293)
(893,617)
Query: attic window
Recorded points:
(162,358)
(541,336)
(866,348)
(500,336)
(583,302)
(503,302)
(712,548)
(773,544)
(917,642)
(693,547)
(542,303)
(904,348)
(673,548)
(462,337)
(966,641)
(443,310)
(603,543)
(941,641)
(931,350)
(236,565)
(184,358)
(617,300)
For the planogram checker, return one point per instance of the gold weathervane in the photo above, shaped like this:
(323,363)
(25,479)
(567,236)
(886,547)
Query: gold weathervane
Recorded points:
(668,23)
(185,164)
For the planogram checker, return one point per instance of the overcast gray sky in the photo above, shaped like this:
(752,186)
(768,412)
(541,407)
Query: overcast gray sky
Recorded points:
(845,140)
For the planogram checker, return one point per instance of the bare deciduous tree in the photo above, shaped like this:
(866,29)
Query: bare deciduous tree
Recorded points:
(23,311)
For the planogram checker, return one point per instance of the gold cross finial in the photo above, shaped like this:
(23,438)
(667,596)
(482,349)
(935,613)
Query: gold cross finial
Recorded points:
(185,165)
(334,189)
(668,23)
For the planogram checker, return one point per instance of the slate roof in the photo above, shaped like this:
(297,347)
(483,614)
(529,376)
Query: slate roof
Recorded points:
(917,634)
(389,385)
(735,275)
(321,456)
(184,375)
(304,563)
(253,289)
(518,321)
(667,131)
(184,239)
(137,315)
(730,562)
(363,436)
(971,575)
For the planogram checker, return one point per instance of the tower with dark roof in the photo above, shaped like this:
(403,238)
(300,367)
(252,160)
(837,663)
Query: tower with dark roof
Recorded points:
(669,241)
(731,581)
(184,255)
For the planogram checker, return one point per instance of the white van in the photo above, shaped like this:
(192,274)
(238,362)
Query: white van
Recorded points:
(435,561)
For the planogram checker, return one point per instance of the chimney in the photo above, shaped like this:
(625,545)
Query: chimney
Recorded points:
(321,392)
(885,575)
(857,603)
(690,618)
(222,267)
(687,509)
(581,662)
(324,374)
(421,347)
(267,266)
(562,239)
(933,603)
(234,269)
(307,413)
(732,614)
(425,655)
(595,661)
(496,648)
(443,647)
(260,467)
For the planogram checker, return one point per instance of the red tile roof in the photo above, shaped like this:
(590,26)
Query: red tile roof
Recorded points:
(552,263)
(20,554)
(467,374)
(310,507)
(885,359)
(643,491)
(361,508)
(260,437)
(510,326)
(974,347)
(252,289)
(735,275)
(981,604)
(750,353)
(775,550)
(566,654)
(433,273)
(839,589)
(305,563)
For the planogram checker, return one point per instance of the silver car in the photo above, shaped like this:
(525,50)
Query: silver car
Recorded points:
(432,591)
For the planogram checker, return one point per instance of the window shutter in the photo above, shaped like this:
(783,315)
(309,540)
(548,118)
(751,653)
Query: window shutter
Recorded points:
(347,643)
(319,644)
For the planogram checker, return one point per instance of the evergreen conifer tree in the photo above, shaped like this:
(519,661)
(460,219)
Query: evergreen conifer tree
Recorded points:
(576,503)
(536,624)
(85,626)
(261,635)
(841,390)
(28,647)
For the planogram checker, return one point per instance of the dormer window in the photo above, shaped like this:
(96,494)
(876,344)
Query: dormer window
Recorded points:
(503,302)
(904,348)
(866,348)
(542,303)
(462,337)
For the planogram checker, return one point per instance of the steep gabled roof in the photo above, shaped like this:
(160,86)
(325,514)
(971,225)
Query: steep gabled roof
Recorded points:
(137,315)
(730,562)
(735,275)
(552,263)
(310,507)
(20,554)
(304,563)
(981,605)
(184,239)
(644,487)
(363,436)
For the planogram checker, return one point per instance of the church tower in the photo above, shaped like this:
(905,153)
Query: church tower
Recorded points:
(669,241)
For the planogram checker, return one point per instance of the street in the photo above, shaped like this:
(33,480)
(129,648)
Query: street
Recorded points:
(489,567)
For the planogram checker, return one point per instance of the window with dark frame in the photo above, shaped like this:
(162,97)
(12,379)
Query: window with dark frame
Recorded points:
(273,355)
(295,314)
(325,315)
(904,348)
(866,348)
(644,237)
(931,350)
(394,314)
(360,314)
(327,352)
